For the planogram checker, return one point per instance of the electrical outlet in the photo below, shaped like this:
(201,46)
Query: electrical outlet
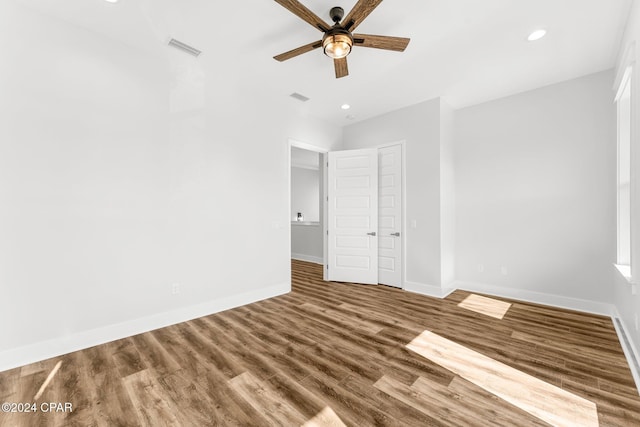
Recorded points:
(480,268)
(414,223)
(503,270)
(634,289)
(636,320)
(175,289)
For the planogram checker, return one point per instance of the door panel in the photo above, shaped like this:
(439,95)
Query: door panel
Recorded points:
(390,216)
(353,216)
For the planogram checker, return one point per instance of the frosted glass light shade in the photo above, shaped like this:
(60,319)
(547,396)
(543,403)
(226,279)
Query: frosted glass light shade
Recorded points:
(337,46)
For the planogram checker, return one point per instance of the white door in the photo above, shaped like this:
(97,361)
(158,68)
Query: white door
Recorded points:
(390,216)
(353,216)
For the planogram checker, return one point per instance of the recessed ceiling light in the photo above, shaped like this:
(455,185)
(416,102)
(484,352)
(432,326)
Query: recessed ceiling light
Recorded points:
(111,1)
(345,106)
(537,35)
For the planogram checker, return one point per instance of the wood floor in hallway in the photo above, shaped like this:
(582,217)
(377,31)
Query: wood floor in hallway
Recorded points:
(345,354)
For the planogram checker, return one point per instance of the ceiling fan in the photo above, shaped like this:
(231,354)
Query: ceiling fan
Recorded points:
(338,39)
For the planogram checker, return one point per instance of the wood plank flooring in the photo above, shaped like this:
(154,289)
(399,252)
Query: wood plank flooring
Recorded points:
(341,354)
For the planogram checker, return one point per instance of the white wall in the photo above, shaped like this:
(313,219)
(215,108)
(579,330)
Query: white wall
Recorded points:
(306,239)
(307,242)
(419,126)
(627,304)
(535,192)
(119,178)
(305,191)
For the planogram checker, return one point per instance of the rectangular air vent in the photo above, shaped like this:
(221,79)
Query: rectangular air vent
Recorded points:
(296,95)
(184,47)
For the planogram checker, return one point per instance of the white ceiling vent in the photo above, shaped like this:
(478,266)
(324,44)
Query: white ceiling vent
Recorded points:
(299,97)
(184,47)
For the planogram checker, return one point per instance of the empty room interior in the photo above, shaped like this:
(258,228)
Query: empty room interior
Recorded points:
(315,212)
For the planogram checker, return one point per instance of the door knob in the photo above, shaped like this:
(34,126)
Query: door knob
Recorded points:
(397,234)
(373,233)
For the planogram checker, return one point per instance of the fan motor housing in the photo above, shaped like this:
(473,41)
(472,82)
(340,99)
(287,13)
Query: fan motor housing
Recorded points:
(336,30)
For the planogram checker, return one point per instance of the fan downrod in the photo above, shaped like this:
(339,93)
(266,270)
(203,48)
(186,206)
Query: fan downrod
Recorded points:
(336,14)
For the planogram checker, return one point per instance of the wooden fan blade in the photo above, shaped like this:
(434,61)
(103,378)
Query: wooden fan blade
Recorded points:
(360,11)
(398,44)
(298,51)
(305,14)
(340,65)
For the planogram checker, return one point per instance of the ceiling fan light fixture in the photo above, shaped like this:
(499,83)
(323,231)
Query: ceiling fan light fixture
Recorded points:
(337,45)
(338,40)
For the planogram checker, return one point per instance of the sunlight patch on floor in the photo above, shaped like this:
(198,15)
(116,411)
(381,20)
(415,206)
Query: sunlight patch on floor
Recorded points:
(327,418)
(543,400)
(48,380)
(487,306)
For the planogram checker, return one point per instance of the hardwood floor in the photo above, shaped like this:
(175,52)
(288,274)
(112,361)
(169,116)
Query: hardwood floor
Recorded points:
(344,354)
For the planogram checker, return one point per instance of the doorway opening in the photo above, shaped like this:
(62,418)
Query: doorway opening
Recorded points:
(355,230)
(306,202)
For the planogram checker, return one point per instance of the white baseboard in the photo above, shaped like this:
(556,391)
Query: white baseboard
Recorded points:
(56,347)
(428,290)
(628,346)
(559,301)
(308,258)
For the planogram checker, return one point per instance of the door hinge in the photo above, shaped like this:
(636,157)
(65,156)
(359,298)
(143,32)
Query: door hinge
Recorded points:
(327,232)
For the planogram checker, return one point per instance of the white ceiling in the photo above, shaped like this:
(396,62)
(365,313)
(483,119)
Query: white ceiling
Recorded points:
(467,51)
